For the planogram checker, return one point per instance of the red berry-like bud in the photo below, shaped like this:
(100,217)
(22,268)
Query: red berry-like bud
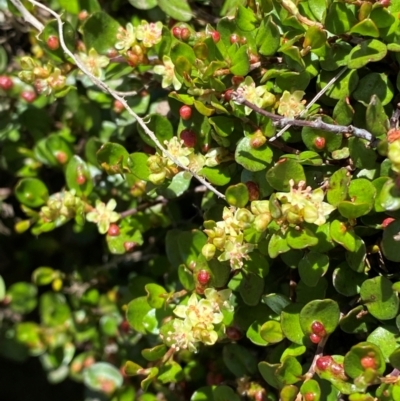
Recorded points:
(28,96)
(243,41)
(323,362)
(61,157)
(53,43)
(319,142)
(254,192)
(185,34)
(118,106)
(228,95)
(368,362)
(185,112)
(233,333)
(128,246)
(387,221)
(315,338)
(176,31)
(88,361)
(111,53)
(203,277)
(234,38)
(113,230)
(309,396)
(215,36)
(257,141)
(189,138)
(318,328)
(6,83)
(385,3)
(237,80)
(124,326)
(80,179)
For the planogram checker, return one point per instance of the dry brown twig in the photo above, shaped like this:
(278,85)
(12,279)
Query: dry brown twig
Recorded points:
(99,83)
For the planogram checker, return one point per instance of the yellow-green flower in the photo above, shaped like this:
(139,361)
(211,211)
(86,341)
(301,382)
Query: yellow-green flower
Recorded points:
(94,62)
(149,33)
(103,215)
(168,73)
(304,204)
(257,95)
(182,337)
(290,104)
(126,38)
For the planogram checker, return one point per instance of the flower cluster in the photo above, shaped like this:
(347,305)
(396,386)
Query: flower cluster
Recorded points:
(197,321)
(227,236)
(61,207)
(290,104)
(257,95)
(162,168)
(103,215)
(46,79)
(94,62)
(304,204)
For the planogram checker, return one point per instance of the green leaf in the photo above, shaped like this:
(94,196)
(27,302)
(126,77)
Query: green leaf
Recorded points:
(386,339)
(102,375)
(23,297)
(271,332)
(114,158)
(51,29)
(362,155)
(344,85)
(240,62)
(300,239)
(353,359)
(136,311)
(310,135)
(390,244)
(366,27)
(138,164)
(2,289)
(377,121)
(289,372)
(253,159)
(311,387)
(158,124)
(362,195)
(254,335)
(237,195)
(368,51)
(312,267)
(31,192)
(268,373)
(245,18)
(277,245)
(143,4)
(338,186)
(178,185)
(177,9)
(343,235)
(78,176)
(324,311)
(100,32)
(284,171)
(380,299)
(374,84)
(346,281)
(155,353)
(190,245)
(239,360)
(251,288)
(155,295)
(290,323)
(336,56)
(170,372)
(315,37)
(43,275)
(340,18)
(389,200)
(267,38)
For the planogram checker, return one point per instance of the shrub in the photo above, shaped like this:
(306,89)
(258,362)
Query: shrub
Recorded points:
(208,198)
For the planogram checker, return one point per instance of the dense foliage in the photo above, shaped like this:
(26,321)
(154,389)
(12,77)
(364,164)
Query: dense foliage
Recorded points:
(220,220)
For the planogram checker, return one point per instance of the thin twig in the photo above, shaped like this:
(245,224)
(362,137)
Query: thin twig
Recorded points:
(98,82)
(316,124)
(28,17)
(311,103)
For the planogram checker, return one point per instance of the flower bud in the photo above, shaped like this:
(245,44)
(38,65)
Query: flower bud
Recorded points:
(259,207)
(244,215)
(219,242)
(262,221)
(27,63)
(208,251)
